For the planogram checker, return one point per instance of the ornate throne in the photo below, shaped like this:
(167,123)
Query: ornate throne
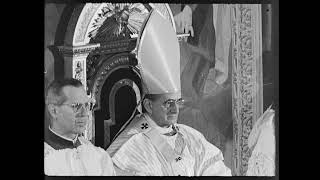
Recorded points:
(102,56)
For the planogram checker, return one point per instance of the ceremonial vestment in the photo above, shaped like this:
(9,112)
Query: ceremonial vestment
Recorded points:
(78,157)
(144,148)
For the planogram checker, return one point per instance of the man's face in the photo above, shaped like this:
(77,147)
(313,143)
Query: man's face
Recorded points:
(69,120)
(164,110)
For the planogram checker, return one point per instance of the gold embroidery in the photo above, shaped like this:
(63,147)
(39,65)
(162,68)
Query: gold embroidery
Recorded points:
(179,144)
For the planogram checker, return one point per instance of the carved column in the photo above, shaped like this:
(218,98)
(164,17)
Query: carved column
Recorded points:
(75,66)
(247,102)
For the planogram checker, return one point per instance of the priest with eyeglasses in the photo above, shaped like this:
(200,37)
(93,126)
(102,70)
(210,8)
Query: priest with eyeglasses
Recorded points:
(66,151)
(153,143)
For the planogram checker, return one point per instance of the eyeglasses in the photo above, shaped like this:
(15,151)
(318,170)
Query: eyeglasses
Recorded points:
(76,107)
(170,102)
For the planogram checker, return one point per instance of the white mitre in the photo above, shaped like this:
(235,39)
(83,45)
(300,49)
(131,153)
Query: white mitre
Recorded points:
(159,55)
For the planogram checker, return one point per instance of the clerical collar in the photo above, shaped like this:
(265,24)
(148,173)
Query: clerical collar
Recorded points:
(162,130)
(68,139)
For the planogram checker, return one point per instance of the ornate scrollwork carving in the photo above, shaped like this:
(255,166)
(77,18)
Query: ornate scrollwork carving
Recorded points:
(244,82)
(77,51)
(92,62)
(116,47)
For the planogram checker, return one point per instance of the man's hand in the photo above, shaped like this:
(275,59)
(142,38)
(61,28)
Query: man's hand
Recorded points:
(183,20)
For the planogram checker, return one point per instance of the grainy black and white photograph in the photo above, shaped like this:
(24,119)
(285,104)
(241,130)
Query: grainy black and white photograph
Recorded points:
(160,89)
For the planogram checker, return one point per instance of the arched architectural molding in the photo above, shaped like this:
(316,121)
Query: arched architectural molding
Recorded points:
(121,83)
(119,61)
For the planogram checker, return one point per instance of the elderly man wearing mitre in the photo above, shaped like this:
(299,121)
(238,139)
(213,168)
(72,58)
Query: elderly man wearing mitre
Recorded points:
(153,143)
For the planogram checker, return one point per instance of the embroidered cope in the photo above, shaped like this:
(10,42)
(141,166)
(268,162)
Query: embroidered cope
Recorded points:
(147,151)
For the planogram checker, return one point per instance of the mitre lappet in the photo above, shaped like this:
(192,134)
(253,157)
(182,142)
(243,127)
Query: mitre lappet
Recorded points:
(158,55)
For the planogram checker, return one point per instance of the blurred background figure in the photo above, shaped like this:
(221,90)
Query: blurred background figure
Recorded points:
(206,70)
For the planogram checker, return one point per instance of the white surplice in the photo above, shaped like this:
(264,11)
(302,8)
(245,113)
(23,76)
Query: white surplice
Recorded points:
(263,145)
(85,160)
(142,149)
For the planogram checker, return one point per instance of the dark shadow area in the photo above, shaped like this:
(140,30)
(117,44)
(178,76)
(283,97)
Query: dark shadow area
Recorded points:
(127,101)
(58,62)
(268,60)
(63,24)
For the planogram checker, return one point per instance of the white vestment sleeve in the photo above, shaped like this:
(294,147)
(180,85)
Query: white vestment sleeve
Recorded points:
(96,160)
(262,142)
(209,159)
(217,169)
(213,164)
(107,165)
(139,157)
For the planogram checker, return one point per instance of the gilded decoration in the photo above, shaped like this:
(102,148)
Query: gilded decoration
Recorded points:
(244,82)
(117,21)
